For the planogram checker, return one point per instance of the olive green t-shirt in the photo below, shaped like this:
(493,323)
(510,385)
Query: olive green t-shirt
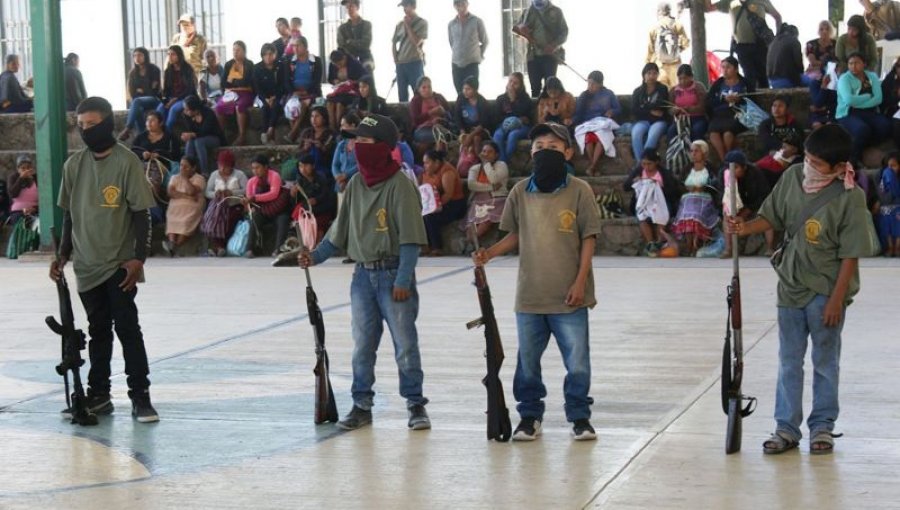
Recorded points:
(101,195)
(373,222)
(841,229)
(551,228)
(743,31)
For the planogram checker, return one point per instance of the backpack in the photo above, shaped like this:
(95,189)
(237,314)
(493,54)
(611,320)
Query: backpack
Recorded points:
(667,50)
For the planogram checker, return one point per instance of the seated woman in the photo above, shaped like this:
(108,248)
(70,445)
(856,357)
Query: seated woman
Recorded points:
(555,104)
(303,85)
(514,112)
(859,96)
(752,190)
(726,93)
(689,97)
(238,96)
(23,190)
(488,183)
(202,133)
(655,201)
(144,88)
(318,140)
(224,190)
(472,115)
(789,153)
(822,104)
(344,73)
(426,109)
(270,203)
(819,52)
(594,121)
(856,40)
(448,187)
(343,165)
(697,213)
(314,191)
(649,102)
(159,150)
(211,79)
(268,83)
(186,205)
(889,212)
(179,82)
(368,102)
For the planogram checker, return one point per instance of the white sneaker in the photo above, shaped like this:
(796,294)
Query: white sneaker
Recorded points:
(528,430)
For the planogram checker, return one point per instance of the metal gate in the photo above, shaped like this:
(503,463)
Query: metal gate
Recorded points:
(331,15)
(153,23)
(514,47)
(15,35)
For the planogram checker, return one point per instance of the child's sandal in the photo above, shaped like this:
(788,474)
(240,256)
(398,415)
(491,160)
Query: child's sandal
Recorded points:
(822,442)
(779,442)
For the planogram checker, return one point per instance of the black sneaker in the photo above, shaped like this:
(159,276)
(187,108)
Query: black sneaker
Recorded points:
(528,430)
(418,418)
(96,404)
(141,408)
(583,431)
(356,418)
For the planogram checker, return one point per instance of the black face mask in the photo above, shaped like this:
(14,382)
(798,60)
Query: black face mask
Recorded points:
(549,169)
(99,138)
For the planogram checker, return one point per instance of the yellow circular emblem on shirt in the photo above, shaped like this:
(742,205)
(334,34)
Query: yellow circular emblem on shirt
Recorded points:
(111,196)
(381,216)
(566,220)
(813,229)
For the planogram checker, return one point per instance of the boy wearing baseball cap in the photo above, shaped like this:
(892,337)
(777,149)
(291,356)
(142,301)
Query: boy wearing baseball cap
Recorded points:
(553,220)
(380,227)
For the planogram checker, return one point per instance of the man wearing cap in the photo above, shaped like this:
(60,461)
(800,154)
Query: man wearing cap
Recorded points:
(380,226)
(553,220)
(468,40)
(545,27)
(752,187)
(407,46)
(355,35)
(193,44)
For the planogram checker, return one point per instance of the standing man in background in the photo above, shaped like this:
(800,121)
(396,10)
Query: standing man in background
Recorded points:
(750,49)
(667,41)
(355,36)
(882,16)
(468,40)
(409,56)
(544,25)
(193,44)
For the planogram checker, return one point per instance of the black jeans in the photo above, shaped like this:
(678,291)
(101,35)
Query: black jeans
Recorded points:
(461,73)
(282,224)
(269,115)
(540,68)
(108,306)
(752,58)
(434,222)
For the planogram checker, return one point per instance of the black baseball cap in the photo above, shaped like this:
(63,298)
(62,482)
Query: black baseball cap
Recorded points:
(411,3)
(557,130)
(378,127)
(345,2)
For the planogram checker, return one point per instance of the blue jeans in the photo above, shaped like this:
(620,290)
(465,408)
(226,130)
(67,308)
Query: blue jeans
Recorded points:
(572,337)
(795,326)
(172,114)
(867,128)
(782,83)
(508,141)
(372,304)
(699,125)
(646,136)
(407,76)
(200,149)
(136,111)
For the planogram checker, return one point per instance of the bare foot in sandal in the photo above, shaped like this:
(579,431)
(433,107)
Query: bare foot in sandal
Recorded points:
(822,442)
(779,442)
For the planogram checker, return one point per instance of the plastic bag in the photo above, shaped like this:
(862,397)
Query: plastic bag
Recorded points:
(237,244)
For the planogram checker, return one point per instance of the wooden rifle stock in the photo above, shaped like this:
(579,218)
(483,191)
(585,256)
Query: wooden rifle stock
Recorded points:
(326,409)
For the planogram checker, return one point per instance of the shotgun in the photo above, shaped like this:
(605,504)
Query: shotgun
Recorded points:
(498,424)
(73,342)
(733,359)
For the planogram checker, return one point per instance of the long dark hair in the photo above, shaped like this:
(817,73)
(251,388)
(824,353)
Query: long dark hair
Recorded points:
(187,72)
(552,83)
(370,81)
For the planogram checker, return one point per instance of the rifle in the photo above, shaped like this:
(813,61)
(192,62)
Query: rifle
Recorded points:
(522,31)
(73,342)
(733,360)
(326,409)
(498,424)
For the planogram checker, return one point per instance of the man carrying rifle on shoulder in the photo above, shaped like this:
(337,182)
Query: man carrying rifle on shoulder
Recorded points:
(553,220)
(545,28)
(105,230)
(380,226)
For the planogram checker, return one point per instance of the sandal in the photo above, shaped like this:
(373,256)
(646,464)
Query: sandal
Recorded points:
(779,442)
(822,442)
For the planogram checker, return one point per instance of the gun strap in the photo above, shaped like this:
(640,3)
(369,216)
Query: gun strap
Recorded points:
(68,395)
(822,199)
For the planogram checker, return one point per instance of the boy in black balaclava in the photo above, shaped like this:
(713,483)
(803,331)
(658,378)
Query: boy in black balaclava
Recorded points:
(553,219)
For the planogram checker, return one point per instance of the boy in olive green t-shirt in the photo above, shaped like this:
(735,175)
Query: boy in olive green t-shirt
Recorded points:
(553,219)
(817,279)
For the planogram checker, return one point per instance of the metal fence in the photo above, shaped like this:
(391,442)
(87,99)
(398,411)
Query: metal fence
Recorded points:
(331,15)
(153,23)
(514,47)
(15,35)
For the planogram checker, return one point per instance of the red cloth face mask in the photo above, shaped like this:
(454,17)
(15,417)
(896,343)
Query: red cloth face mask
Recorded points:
(375,162)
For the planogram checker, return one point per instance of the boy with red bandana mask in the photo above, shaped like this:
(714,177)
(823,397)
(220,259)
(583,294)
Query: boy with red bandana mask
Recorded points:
(380,226)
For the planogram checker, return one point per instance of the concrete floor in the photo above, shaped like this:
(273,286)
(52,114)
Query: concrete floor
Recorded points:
(232,354)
